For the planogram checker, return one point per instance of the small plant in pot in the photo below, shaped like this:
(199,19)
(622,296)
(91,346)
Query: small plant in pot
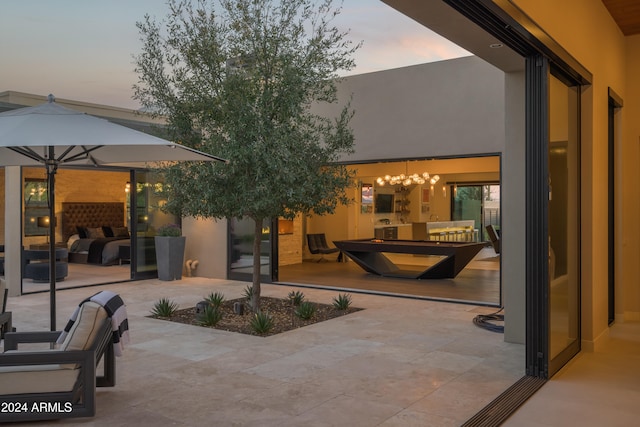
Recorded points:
(169,230)
(170,244)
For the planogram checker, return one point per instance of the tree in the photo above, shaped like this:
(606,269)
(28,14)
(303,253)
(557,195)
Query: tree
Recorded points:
(241,85)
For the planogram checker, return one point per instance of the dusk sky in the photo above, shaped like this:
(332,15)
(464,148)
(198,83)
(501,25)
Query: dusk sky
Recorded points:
(83,49)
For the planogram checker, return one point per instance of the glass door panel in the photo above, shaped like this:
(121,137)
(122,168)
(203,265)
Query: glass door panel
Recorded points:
(467,204)
(240,264)
(564,220)
(145,218)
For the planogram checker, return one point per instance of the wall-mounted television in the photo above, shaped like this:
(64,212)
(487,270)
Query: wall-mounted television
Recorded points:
(384,203)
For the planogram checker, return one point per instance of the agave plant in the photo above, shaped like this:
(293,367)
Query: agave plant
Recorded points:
(306,310)
(210,316)
(261,322)
(342,302)
(164,307)
(215,299)
(296,297)
(248,293)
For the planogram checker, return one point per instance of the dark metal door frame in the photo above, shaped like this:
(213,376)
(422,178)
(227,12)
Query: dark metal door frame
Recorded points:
(615,103)
(515,29)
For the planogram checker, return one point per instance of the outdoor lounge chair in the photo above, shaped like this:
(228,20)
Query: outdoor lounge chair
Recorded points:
(318,245)
(58,383)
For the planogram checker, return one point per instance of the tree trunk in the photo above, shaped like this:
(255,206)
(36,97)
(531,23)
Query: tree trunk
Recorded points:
(257,243)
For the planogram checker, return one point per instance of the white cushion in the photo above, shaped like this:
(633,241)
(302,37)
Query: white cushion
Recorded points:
(83,332)
(36,379)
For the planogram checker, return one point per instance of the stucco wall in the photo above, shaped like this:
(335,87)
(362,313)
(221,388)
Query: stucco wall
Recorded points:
(513,251)
(445,108)
(206,243)
(628,157)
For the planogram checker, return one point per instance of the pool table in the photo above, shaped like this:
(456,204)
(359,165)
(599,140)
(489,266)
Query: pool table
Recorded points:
(368,254)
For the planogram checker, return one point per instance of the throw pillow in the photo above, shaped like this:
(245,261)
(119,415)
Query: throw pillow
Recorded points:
(82,232)
(120,232)
(95,233)
(107,231)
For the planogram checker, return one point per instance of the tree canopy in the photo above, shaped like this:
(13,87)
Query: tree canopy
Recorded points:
(241,82)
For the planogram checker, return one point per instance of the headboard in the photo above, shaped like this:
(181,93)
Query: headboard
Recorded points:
(90,214)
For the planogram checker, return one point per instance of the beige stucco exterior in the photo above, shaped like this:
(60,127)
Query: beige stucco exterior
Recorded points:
(587,31)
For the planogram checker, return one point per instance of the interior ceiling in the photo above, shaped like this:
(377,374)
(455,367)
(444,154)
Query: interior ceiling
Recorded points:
(444,20)
(626,13)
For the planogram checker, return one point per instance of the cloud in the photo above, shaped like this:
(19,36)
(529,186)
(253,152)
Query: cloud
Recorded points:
(83,50)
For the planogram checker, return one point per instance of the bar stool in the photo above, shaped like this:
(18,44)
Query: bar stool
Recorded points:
(438,235)
(468,234)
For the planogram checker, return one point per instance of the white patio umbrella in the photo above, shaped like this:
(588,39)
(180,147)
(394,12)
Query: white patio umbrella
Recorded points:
(51,135)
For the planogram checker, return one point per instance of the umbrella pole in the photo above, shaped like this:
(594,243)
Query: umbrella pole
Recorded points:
(52,167)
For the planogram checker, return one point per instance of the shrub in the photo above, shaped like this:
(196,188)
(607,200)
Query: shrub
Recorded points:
(215,299)
(210,316)
(164,307)
(342,302)
(171,230)
(261,323)
(296,297)
(306,310)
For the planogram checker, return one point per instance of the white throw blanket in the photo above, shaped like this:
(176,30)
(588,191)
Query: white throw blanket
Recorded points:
(117,312)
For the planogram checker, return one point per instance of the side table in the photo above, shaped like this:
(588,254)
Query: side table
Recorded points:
(124,253)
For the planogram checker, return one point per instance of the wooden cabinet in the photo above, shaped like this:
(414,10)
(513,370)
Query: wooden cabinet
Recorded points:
(394,232)
(386,233)
(405,232)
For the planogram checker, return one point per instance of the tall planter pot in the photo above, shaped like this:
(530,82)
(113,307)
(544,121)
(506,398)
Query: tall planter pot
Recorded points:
(170,256)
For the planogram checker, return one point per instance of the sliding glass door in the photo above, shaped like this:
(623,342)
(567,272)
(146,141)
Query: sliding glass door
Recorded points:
(478,202)
(145,217)
(564,220)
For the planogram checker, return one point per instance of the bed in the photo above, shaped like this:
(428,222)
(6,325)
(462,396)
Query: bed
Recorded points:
(95,232)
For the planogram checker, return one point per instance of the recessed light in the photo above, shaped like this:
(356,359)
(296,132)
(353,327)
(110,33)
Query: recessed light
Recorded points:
(496,45)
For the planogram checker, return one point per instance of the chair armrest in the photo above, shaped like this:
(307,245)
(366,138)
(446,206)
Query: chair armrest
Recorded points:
(12,339)
(86,358)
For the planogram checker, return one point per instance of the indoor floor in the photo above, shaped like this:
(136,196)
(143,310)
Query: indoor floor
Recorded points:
(478,283)
(83,275)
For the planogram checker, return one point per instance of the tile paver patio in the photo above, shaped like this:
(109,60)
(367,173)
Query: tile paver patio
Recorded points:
(398,362)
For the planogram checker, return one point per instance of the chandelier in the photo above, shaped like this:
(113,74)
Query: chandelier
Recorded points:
(407,179)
